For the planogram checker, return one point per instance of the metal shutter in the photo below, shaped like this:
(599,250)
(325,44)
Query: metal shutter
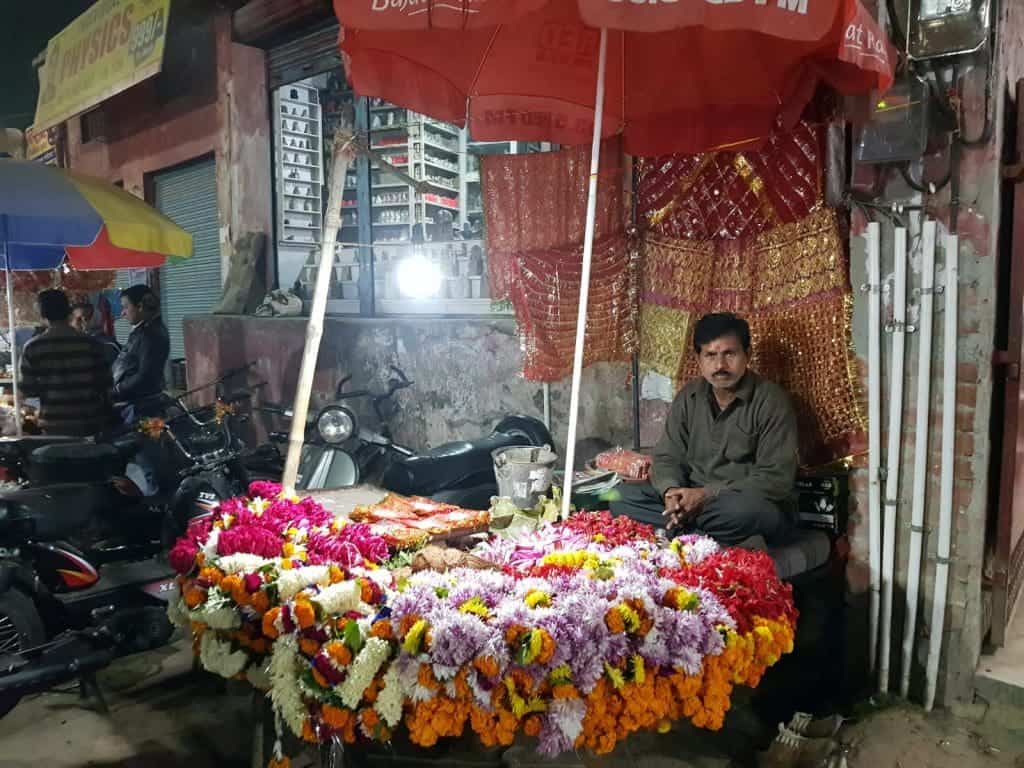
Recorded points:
(188,196)
(304,57)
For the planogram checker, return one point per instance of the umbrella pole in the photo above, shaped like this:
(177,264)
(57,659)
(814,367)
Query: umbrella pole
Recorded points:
(588,250)
(315,325)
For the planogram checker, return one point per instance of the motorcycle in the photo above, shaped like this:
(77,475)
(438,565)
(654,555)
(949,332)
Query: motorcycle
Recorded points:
(339,452)
(83,574)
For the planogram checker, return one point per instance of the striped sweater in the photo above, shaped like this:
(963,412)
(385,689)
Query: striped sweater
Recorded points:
(69,373)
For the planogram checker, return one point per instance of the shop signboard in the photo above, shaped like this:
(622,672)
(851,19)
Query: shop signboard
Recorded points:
(39,146)
(108,49)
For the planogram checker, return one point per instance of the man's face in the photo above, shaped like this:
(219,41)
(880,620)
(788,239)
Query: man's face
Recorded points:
(131,312)
(723,362)
(80,319)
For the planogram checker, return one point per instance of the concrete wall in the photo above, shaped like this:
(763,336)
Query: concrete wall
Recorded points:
(467,372)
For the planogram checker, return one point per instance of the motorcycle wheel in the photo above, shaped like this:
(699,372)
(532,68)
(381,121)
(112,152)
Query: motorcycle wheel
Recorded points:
(531,430)
(21,628)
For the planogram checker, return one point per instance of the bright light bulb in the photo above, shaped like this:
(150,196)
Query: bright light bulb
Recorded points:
(418,278)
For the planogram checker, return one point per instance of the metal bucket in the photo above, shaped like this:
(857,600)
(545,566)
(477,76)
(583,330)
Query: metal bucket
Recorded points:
(524,473)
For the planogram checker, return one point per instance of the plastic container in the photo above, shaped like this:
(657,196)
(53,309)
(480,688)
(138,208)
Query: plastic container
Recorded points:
(524,473)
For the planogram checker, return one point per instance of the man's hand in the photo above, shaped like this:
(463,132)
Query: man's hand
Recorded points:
(683,503)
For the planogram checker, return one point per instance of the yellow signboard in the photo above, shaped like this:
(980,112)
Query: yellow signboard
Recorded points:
(38,146)
(109,48)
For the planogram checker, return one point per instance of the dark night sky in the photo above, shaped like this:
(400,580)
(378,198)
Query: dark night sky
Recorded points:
(25,28)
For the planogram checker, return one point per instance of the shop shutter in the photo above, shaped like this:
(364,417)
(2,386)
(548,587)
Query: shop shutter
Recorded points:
(188,196)
(305,56)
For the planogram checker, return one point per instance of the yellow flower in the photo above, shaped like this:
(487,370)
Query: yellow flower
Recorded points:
(664,726)
(228,520)
(292,532)
(258,506)
(629,617)
(288,549)
(599,538)
(614,675)
(560,675)
(536,598)
(639,674)
(286,565)
(687,600)
(475,606)
(414,639)
(536,644)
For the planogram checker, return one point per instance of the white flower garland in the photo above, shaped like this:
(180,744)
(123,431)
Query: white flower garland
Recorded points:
(210,547)
(291,582)
(284,686)
(258,677)
(362,671)
(339,598)
(177,613)
(218,612)
(390,698)
(218,657)
(241,562)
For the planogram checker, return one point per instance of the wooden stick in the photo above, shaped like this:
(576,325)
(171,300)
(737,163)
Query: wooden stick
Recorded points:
(343,153)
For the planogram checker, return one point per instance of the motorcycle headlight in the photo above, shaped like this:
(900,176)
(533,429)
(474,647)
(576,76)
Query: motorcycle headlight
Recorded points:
(336,425)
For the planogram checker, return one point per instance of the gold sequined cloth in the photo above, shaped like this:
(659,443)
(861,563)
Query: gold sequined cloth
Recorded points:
(791,284)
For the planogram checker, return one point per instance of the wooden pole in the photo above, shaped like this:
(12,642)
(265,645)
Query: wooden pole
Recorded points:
(344,148)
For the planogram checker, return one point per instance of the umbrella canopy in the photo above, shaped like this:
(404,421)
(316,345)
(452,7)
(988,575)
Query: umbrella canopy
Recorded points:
(681,76)
(48,215)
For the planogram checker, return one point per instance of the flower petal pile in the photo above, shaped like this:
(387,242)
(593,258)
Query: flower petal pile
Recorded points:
(583,633)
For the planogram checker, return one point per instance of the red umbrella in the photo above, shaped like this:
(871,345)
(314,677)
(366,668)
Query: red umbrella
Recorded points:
(682,75)
(670,75)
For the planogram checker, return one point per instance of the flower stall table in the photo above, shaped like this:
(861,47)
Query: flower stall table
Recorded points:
(572,636)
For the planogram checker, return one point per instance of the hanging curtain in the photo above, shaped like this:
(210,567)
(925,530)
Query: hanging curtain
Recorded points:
(535,214)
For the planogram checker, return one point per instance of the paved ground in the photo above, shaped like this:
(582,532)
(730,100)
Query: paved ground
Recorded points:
(164,716)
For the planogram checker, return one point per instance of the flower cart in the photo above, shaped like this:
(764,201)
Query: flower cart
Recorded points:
(567,636)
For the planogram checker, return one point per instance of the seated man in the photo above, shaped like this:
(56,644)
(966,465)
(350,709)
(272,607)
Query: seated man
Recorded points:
(727,463)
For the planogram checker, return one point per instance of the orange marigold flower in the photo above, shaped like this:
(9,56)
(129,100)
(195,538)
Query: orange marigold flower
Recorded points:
(370,694)
(513,634)
(304,614)
(260,602)
(547,647)
(370,718)
(211,576)
(531,726)
(309,647)
(336,574)
(194,597)
(614,621)
(308,734)
(339,653)
(406,624)
(284,762)
(365,591)
(565,691)
(335,717)
(486,666)
(382,629)
(260,645)
(320,679)
(425,677)
(269,630)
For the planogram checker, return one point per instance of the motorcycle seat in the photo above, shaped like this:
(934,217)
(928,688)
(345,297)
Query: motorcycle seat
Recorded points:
(450,464)
(57,511)
(75,463)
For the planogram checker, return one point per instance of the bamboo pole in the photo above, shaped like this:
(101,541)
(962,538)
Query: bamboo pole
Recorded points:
(342,154)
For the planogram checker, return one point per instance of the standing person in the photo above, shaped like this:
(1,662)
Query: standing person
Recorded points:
(68,372)
(139,368)
(726,465)
(82,315)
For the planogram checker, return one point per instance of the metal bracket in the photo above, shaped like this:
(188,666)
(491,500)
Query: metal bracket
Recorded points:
(898,327)
(943,560)
(869,288)
(919,528)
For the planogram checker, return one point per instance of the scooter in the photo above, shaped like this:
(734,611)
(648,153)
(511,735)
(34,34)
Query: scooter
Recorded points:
(83,574)
(339,452)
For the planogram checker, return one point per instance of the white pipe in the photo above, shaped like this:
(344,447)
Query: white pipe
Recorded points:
(315,324)
(546,393)
(923,400)
(946,477)
(874,433)
(588,250)
(892,475)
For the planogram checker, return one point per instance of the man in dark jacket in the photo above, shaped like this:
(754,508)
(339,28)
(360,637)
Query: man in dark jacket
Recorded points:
(139,368)
(726,465)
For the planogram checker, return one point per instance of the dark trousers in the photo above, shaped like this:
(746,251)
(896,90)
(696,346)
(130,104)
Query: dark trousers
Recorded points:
(729,518)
